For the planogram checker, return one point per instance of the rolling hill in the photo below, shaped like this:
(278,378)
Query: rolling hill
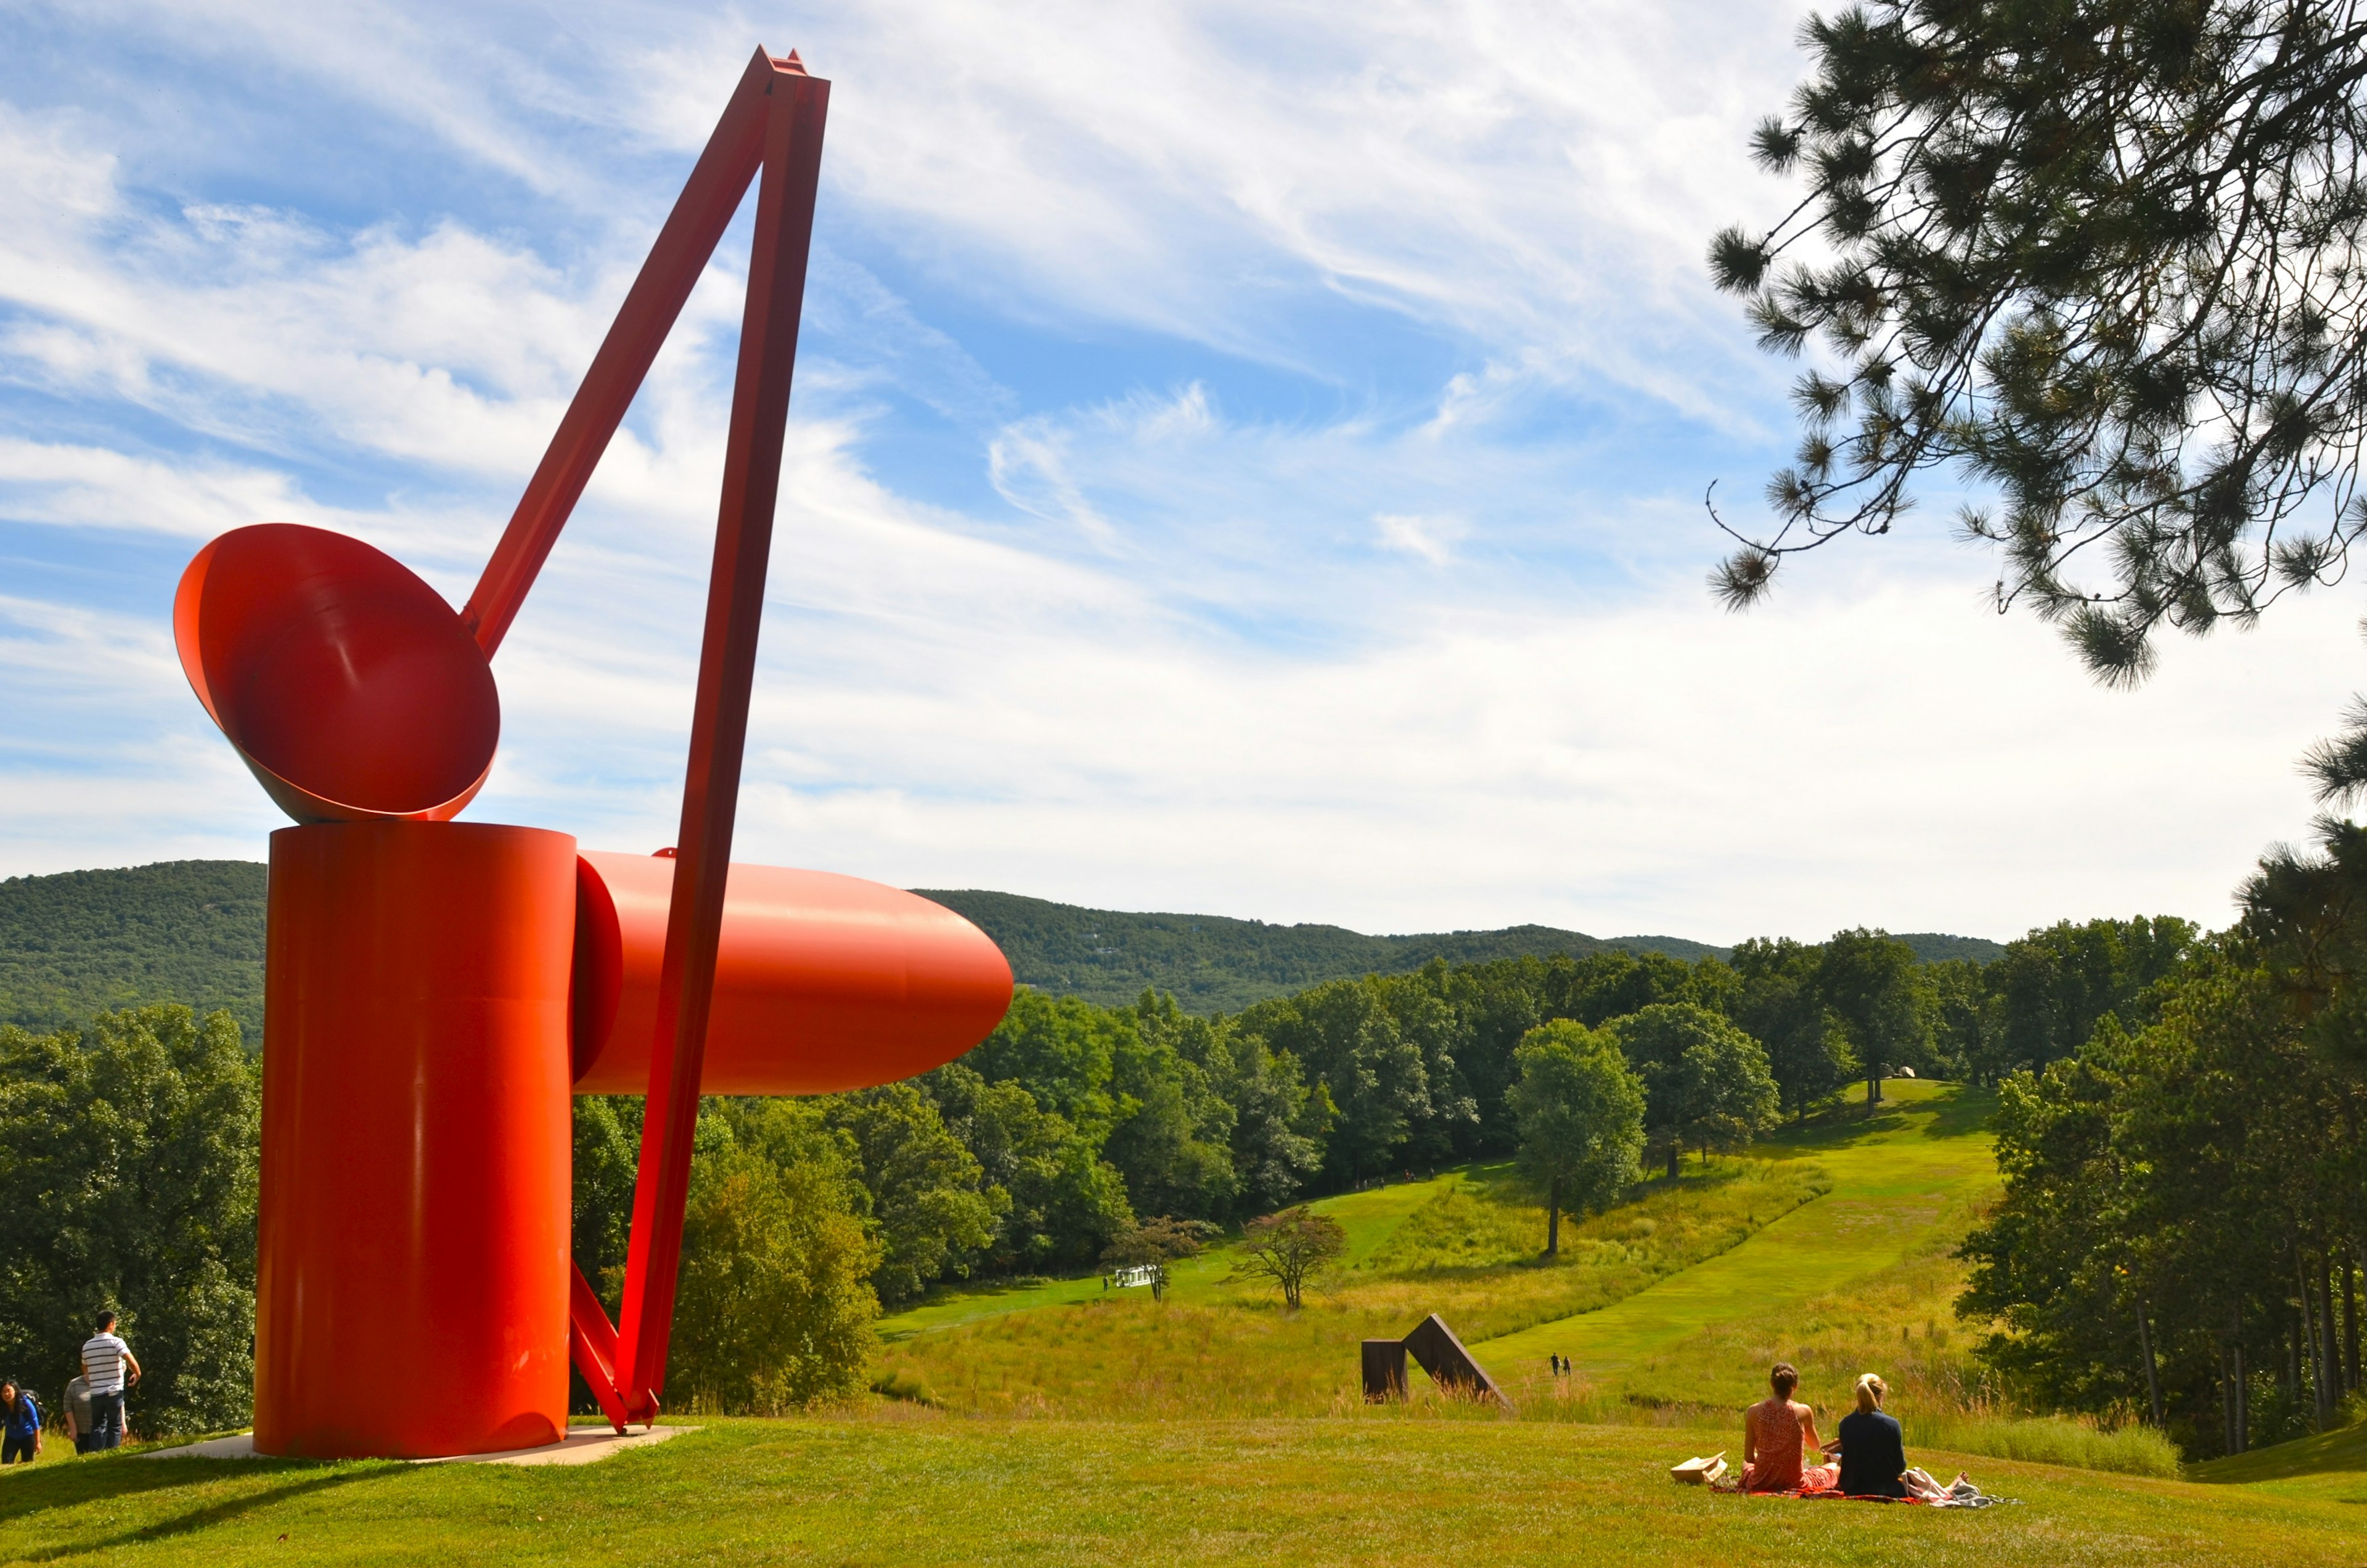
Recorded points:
(192,932)
(1213,964)
(186,931)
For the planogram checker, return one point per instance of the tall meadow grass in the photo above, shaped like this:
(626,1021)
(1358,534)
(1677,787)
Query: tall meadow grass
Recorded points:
(2052,1440)
(1232,1350)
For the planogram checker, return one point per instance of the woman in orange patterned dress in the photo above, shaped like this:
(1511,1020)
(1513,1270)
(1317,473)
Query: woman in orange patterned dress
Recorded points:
(1776,1434)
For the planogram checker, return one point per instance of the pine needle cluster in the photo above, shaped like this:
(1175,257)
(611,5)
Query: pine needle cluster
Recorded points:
(2101,259)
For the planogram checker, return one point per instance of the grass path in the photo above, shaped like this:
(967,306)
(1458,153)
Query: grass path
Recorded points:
(1896,1180)
(1367,1491)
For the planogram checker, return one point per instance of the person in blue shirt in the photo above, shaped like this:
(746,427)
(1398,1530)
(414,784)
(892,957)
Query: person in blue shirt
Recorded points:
(1873,1450)
(20,1425)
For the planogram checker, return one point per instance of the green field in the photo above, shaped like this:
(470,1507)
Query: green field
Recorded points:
(929,1489)
(1060,1423)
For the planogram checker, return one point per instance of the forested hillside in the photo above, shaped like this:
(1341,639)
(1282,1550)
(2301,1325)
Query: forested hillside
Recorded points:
(1075,1131)
(191,931)
(188,931)
(1210,964)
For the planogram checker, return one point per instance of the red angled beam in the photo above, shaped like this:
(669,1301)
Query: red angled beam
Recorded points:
(592,1345)
(700,215)
(796,107)
(771,131)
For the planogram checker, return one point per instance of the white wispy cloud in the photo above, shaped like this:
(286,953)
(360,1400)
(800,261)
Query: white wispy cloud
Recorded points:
(1429,538)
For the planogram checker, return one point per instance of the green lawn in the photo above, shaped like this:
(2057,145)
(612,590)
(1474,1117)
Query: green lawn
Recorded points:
(2331,1466)
(1215,1427)
(1215,1349)
(1358,1489)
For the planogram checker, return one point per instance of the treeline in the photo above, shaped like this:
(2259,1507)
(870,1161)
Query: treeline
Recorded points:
(80,941)
(2185,1226)
(128,1162)
(1072,1122)
(131,1156)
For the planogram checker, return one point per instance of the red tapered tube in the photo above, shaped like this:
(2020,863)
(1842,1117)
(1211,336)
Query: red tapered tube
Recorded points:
(821,982)
(412,1271)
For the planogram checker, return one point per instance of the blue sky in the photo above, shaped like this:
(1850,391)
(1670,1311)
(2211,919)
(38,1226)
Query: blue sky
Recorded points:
(1246,458)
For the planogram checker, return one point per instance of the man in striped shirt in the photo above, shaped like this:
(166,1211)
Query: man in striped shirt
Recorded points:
(106,1359)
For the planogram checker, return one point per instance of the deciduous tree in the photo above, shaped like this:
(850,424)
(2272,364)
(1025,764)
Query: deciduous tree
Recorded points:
(1580,1114)
(1155,1244)
(1867,980)
(1290,1248)
(128,1166)
(931,1207)
(1706,1082)
(774,1305)
(1780,1005)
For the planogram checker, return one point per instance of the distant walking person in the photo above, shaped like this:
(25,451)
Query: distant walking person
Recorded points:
(105,1361)
(20,1425)
(76,1402)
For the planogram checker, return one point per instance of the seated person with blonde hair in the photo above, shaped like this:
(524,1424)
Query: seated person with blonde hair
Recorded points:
(1775,1432)
(1874,1451)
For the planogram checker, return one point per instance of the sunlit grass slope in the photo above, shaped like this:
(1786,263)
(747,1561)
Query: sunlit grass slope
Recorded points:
(1453,1247)
(1370,1219)
(1830,1247)
(2331,1466)
(1904,1186)
(936,1490)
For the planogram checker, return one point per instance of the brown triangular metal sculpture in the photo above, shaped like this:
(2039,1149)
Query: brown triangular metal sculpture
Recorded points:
(1434,1347)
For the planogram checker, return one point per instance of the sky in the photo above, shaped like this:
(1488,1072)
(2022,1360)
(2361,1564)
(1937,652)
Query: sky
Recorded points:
(1246,458)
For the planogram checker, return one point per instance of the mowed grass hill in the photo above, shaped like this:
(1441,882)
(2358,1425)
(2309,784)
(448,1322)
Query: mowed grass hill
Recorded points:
(1059,1422)
(192,932)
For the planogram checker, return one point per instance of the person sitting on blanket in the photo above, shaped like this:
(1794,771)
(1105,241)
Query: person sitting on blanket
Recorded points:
(1874,1451)
(1776,1433)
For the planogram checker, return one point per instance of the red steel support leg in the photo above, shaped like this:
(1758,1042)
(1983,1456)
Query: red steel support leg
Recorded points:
(592,1345)
(773,123)
(727,668)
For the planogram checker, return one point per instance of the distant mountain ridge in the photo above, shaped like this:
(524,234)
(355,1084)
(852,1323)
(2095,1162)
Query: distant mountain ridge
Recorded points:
(1217,963)
(192,932)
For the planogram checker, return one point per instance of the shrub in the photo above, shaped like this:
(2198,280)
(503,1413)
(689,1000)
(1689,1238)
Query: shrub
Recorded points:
(774,1307)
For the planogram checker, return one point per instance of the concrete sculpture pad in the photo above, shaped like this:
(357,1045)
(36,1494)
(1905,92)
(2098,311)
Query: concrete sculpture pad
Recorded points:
(582,1444)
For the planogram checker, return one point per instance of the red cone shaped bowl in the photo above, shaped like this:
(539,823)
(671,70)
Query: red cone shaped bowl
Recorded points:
(348,684)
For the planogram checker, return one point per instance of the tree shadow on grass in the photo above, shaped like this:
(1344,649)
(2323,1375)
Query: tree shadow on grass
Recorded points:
(85,1483)
(2327,1452)
(1962,1113)
(1838,1126)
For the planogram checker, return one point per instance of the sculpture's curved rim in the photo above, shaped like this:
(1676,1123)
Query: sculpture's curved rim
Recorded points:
(392,582)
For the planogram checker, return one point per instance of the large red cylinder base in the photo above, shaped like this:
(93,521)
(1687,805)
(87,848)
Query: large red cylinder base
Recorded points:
(412,1276)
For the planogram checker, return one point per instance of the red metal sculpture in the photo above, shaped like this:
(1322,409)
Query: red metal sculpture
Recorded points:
(435,990)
